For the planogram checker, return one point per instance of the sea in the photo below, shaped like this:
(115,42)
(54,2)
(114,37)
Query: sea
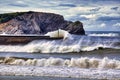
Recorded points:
(94,56)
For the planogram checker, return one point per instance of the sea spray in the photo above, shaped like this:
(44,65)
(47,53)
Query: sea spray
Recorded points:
(59,34)
(83,62)
(74,44)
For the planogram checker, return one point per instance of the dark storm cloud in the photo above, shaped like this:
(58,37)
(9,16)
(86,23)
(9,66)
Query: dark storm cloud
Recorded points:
(18,5)
(108,18)
(115,8)
(67,5)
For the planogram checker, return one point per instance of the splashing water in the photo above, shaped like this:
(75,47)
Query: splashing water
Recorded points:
(81,67)
(82,62)
(77,44)
(59,33)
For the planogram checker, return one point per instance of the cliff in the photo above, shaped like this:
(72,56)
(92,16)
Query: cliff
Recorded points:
(37,23)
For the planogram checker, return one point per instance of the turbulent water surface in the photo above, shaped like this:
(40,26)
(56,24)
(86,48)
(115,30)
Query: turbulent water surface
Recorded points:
(38,78)
(94,56)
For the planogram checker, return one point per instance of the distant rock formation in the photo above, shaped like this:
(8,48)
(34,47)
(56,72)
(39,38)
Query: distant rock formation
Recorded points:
(40,23)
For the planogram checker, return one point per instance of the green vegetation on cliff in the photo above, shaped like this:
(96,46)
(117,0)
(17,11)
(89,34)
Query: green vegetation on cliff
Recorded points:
(8,16)
(77,23)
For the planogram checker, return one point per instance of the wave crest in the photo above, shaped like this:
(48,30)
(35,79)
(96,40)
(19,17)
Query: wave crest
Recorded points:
(82,62)
(104,34)
(76,44)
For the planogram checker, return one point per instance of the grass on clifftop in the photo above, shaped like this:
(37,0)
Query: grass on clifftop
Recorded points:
(77,23)
(8,16)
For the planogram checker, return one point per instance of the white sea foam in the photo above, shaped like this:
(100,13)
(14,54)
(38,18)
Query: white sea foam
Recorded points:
(82,62)
(59,33)
(95,47)
(56,46)
(111,74)
(83,67)
(3,33)
(104,34)
(70,43)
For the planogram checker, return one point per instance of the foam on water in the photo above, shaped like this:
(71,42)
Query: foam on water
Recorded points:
(13,70)
(83,67)
(104,34)
(75,67)
(59,33)
(70,43)
(59,46)
(82,62)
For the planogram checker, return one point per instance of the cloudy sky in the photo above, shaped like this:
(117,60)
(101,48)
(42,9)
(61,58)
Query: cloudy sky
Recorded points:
(102,15)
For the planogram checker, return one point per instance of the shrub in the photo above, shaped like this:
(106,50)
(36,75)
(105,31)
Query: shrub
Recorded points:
(8,16)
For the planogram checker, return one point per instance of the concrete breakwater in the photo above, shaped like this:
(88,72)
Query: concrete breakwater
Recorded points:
(21,39)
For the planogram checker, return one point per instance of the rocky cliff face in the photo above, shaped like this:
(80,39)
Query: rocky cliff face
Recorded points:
(40,23)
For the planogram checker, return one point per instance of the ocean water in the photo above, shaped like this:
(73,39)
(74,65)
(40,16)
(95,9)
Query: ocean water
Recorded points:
(103,33)
(93,56)
(38,78)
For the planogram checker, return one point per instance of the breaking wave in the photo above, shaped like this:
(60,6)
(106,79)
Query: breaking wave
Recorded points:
(82,62)
(104,34)
(83,67)
(69,43)
(59,34)
(74,44)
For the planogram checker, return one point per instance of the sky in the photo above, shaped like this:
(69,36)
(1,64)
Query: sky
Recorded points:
(96,15)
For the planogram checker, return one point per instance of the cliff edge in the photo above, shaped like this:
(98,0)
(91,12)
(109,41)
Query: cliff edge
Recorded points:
(38,23)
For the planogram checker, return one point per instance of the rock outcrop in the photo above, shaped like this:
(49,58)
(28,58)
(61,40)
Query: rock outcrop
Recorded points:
(40,23)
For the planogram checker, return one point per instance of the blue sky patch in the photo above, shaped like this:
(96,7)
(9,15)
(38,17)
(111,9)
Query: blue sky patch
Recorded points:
(92,13)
